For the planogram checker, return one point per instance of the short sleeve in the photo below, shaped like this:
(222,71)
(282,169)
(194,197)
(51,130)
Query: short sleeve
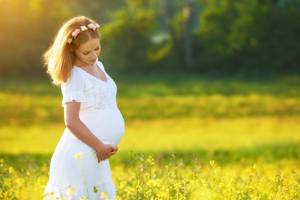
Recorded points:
(73,88)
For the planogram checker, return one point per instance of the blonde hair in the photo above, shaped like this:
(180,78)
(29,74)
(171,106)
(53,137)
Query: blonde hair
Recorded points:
(59,57)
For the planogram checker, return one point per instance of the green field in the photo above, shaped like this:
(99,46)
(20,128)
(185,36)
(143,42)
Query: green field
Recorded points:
(187,137)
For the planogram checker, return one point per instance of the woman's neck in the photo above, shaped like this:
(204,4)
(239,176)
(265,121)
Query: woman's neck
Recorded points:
(82,64)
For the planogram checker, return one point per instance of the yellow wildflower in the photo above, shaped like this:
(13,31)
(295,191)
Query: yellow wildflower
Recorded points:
(78,156)
(83,198)
(95,189)
(103,195)
(71,191)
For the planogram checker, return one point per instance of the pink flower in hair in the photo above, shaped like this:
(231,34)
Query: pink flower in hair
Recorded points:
(92,26)
(83,28)
(75,32)
(69,40)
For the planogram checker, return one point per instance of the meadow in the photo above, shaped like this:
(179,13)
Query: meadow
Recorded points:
(187,137)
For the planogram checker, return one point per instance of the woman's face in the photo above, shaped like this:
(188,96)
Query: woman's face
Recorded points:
(88,52)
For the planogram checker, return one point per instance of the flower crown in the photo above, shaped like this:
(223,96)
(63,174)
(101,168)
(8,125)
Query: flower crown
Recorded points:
(81,29)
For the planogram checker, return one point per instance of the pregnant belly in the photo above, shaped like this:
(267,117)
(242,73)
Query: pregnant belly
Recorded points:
(107,124)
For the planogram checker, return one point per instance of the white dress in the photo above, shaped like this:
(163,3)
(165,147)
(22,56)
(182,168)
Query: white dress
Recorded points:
(74,169)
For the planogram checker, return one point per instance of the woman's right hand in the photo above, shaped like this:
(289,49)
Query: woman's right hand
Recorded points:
(105,151)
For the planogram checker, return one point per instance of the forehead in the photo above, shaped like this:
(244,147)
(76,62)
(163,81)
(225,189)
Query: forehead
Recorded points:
(89,45)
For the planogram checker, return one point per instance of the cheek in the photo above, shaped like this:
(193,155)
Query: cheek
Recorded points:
(78,55)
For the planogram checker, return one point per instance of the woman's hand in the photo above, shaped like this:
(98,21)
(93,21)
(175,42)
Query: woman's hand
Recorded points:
(105,151)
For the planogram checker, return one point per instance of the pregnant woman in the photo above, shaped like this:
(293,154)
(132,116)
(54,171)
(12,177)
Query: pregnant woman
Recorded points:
(79,167)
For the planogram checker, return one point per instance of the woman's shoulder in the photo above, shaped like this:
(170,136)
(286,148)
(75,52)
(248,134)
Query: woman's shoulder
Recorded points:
(74,76)
(75,72)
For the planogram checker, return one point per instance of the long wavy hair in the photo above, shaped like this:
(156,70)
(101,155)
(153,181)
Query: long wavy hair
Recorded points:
(59,57)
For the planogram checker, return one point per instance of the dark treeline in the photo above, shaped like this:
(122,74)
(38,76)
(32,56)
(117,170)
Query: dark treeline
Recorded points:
(199,36)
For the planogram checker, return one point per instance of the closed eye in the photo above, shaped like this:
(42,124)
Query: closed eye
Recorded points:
(86,53)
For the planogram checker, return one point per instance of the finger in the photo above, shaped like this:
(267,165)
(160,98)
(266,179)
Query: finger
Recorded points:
(114,151)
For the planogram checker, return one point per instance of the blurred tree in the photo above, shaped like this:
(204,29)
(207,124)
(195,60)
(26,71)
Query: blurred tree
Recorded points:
(126,39)
(178,21)
(187,31)
(27,27)
(249,35)
(218,36)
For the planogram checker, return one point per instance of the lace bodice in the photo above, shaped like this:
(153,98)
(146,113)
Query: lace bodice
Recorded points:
(89,90)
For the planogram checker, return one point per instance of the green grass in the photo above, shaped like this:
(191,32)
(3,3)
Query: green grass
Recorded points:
(182,123)
(159,97)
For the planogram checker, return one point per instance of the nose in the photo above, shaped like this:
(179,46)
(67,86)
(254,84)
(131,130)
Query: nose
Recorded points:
(94,55)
